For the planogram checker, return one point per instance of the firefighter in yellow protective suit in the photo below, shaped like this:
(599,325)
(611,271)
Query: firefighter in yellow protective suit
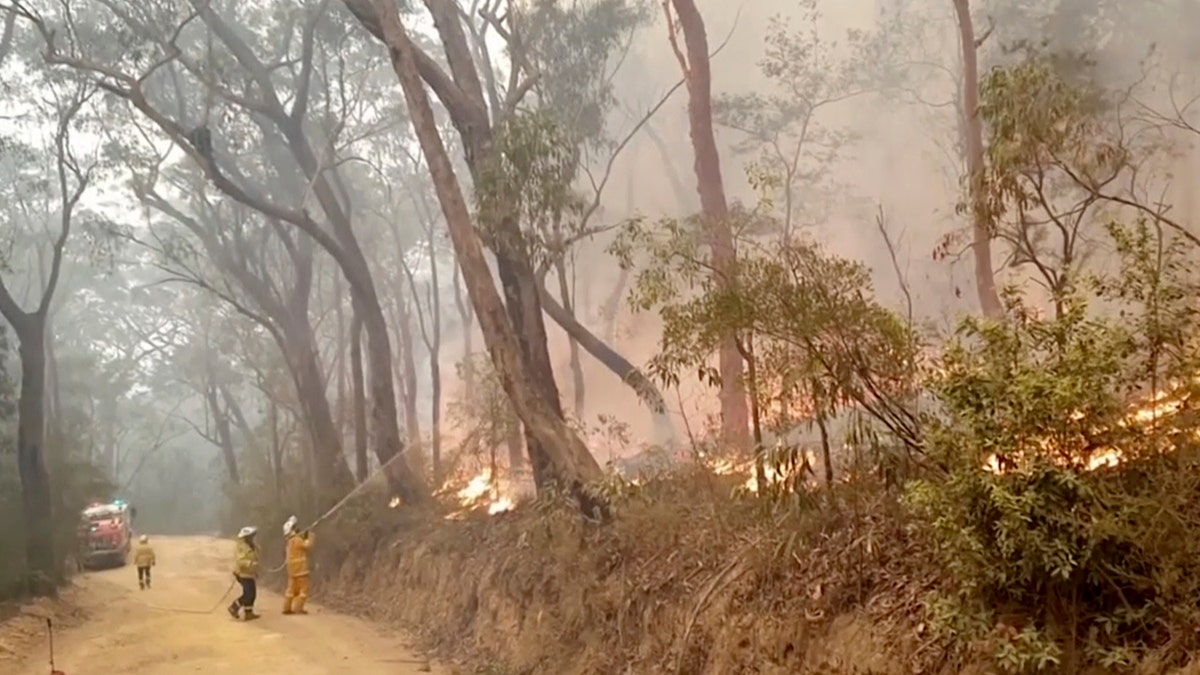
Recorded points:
(298,545)
(245,570)
(143,558)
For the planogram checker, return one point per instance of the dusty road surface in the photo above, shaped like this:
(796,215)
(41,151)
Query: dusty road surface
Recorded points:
(125,631)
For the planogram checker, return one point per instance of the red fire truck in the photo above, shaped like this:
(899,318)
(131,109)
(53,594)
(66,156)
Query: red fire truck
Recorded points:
(105,534)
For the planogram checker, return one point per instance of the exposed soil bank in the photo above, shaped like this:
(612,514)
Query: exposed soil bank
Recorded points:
(686,580)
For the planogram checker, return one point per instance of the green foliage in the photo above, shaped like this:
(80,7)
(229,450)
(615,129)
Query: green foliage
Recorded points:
(805,319)
(1050,149)
(1053,559)
(574,48)
(528,179)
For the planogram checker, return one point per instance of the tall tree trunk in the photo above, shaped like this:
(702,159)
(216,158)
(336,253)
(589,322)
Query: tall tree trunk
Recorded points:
(985,277)
(330,470)
(54,407)
(360,397)
(236,414)
(344,404)
(36,499)
(433,339)
(569,460)
(826,450)
(224,433)
(467,316)
(275,456)
(564,290)
(714,208)
(411,385)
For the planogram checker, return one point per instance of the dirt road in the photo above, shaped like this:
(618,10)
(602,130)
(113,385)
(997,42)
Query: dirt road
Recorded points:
(123,633)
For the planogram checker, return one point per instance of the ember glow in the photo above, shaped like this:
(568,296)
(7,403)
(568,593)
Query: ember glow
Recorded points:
(1162,405)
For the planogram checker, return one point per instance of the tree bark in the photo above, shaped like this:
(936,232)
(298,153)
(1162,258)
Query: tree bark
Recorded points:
(412,416)
(330,470)
(275,454)
(224,433)
(714,208)
(360,397)
(433,341)
(339,361)
(467,316)
(564,290)
(570,463)
(985,276)
(236,414)
(36,497)
(826,450)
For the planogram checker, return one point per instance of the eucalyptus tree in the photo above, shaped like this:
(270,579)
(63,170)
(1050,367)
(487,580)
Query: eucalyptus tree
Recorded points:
(45,179)
(479,105)
(208,81)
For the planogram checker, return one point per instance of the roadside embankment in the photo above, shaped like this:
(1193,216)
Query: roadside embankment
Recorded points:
(687,579)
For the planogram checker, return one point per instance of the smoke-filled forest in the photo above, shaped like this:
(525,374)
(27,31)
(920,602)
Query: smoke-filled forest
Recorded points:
(616,336)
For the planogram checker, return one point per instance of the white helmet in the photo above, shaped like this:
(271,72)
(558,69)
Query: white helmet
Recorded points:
(144,538)
(289,526)
(247,531)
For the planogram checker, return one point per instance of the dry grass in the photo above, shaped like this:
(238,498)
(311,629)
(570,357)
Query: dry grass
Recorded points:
(687,579)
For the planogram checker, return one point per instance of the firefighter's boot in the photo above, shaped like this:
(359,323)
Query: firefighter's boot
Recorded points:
(287,605)
(250,615)
(298,606)
(142,585)
(234,611)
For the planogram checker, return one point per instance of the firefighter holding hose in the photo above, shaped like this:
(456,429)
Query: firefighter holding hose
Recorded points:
(298,545)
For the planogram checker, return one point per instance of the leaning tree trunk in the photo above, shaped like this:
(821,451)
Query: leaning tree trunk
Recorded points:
(985,276)
(643,386)
(569,458)
(714,208)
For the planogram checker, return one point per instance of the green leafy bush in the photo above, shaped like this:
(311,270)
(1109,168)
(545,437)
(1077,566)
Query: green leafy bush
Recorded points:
(1054,557)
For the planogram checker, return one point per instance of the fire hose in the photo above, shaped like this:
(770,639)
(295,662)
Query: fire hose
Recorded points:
(210,610)
(342,503)
(316,522)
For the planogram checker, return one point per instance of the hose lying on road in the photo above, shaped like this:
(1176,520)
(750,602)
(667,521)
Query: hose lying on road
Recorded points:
(316,522)
(181,610)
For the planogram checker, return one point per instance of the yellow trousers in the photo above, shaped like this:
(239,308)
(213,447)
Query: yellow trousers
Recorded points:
(296,595)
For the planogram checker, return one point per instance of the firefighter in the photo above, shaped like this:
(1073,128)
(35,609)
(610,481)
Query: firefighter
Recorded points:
(298,545)
(143,557)
(245,570)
